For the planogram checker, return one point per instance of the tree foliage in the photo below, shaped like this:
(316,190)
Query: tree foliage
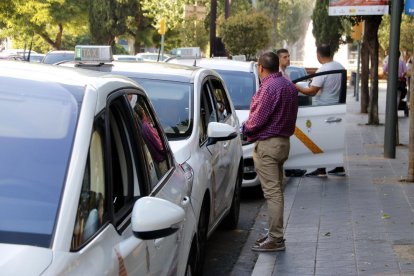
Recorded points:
(293,18)
(193,33)
(289,19)
(326,29)
(271,9)
(172,11)
(23,19)
(243,33)
(406,33)
(107,19)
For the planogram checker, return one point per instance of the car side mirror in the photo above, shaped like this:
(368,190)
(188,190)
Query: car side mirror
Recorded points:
(220,132)
(154,218)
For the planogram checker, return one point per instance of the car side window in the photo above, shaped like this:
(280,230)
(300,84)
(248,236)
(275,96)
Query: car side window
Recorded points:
(207,111)
(153,144)
(92,211)
(127,180)
(222,102)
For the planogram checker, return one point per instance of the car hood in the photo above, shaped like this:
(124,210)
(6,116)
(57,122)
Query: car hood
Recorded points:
(242,115)
(181,150)
(35,260)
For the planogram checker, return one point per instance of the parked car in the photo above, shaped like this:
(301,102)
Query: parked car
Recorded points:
(319,138)
(89,185)
(57,56)
(125,57)
(151,57)
(36,57)
(202,137)
(16,54)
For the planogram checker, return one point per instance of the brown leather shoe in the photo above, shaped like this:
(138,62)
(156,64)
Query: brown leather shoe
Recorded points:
(260,240)
(270,246)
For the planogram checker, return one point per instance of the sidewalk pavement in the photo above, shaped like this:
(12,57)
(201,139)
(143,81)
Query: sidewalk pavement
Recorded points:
(361,224)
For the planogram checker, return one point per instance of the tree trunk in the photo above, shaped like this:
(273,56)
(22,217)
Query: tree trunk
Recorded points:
(364,95)
(58,40)
(371,28)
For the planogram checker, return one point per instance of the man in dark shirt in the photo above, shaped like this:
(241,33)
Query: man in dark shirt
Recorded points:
(271,122)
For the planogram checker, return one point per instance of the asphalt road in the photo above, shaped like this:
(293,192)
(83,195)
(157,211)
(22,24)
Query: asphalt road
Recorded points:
(225,247)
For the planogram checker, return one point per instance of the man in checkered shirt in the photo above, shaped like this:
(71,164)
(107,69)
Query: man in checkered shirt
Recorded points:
(270,124)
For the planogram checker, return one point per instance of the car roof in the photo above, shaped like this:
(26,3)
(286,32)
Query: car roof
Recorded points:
(149,70)
(61,52)
(217,64)
(51,73)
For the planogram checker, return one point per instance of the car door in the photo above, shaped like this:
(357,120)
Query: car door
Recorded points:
(319,138)
(167,255)
(210,154)
(102,237)
(117,174)
(225,168)
(214,154)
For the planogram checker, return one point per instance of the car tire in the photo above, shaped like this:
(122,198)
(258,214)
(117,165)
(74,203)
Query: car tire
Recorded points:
(202,230)
(232,219)
(192,259)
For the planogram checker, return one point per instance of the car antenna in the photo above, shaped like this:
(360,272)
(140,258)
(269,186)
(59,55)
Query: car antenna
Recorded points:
(195,60)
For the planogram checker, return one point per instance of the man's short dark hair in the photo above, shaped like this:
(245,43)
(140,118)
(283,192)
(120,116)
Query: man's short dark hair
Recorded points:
(324,50)
(269,61)
(282,51)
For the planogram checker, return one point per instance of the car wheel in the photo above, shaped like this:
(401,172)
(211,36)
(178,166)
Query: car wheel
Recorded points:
(232,218)
(202,229)
(192,260)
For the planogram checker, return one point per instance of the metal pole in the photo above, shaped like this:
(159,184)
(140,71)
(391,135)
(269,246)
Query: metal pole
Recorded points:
(391,104)
(162,47)
(357,73)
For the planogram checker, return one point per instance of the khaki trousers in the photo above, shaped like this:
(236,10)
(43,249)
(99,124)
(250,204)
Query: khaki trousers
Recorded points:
(269,156)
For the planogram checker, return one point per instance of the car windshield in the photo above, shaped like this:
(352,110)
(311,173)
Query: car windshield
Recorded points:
(37,126)
(172,102)
(241,86)
(53,58)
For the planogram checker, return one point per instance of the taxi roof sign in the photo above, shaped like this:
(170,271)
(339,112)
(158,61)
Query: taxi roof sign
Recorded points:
(91,53)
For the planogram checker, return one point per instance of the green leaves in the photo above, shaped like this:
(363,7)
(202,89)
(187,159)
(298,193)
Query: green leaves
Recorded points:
(244,33)
(46,20)
(326,29)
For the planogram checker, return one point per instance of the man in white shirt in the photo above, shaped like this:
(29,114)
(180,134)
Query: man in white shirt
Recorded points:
(326,90)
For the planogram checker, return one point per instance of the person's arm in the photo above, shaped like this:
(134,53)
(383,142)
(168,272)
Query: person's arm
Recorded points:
(404,69)
(310,91)
(385,68)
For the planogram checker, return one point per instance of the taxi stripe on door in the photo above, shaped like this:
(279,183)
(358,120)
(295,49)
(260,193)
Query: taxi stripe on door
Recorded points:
(307,141)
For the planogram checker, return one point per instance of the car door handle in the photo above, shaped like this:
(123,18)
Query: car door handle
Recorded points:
(185,201)
(333,120)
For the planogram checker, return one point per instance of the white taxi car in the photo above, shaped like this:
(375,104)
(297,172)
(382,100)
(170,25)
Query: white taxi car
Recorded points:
(88,183)
(201,125)
(319,138)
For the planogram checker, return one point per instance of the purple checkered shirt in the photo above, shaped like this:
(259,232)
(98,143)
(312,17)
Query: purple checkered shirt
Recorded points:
(273,109)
